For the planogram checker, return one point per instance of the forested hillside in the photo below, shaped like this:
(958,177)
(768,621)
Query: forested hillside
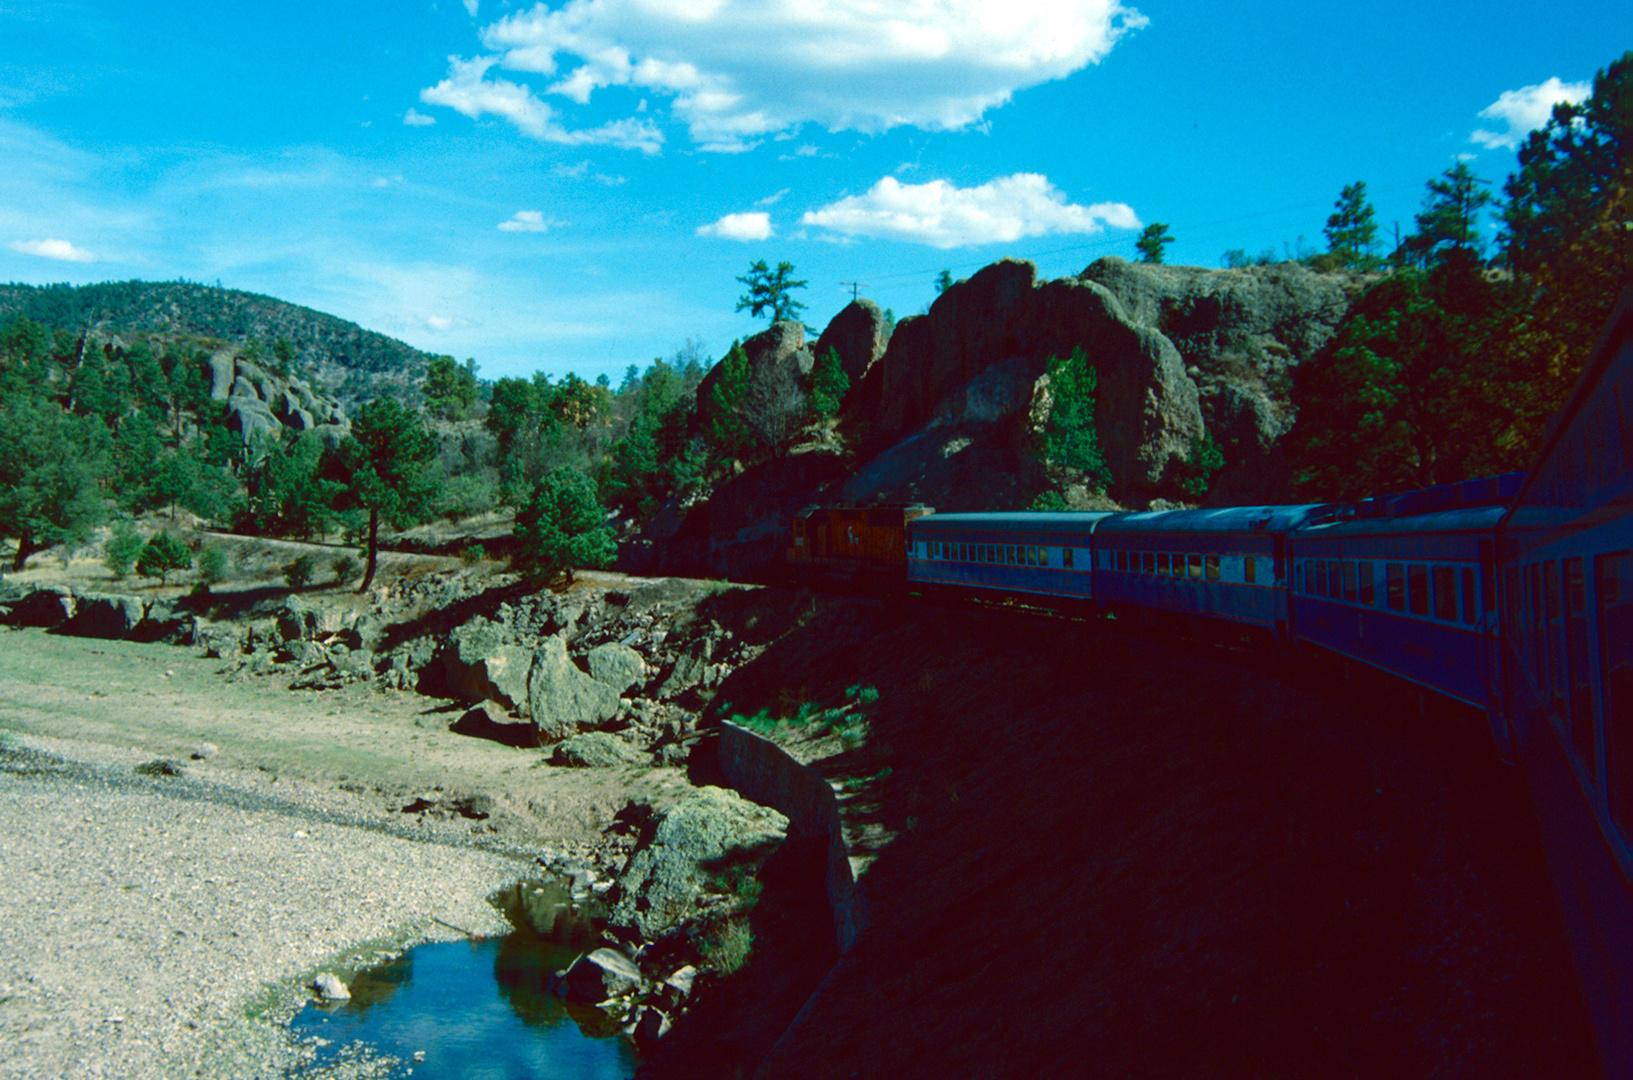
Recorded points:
(354,364)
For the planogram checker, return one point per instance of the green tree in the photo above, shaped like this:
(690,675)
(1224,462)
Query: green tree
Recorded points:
(562,527)
(829,385)
(722,405)
(290,491)
(1352,228)
(124,547)
(1152,241)
(1450,218)
(1405,395)
(51,467)
(450,391)
(1068,439)
(770,291)
(1196,474)
(944,281)
(162,555)
(1566,238)
(388,462)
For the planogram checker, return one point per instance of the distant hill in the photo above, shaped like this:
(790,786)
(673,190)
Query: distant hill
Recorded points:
(352,363)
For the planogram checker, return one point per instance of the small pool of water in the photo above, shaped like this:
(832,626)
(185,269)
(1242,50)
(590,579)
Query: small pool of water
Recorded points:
(475,1010)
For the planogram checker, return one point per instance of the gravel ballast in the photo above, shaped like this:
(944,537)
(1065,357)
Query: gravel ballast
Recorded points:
(167,926)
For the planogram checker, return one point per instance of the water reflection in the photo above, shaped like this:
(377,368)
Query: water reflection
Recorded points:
(479,1009)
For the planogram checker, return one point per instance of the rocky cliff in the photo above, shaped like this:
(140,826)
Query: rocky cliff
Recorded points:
(261,404)
(1181,353)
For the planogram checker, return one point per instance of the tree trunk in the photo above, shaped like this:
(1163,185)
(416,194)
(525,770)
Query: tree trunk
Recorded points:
(25,548)
(374,550)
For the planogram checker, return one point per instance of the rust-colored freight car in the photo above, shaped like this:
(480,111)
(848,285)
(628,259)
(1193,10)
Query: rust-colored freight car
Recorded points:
(852,540)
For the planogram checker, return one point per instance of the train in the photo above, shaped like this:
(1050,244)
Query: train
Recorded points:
(1512,595)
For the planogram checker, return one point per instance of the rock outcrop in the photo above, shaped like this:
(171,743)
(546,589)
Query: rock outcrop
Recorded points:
(857,335)
(1180,353)
(262,404)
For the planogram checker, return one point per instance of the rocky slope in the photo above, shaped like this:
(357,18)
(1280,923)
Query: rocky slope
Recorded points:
(359,364)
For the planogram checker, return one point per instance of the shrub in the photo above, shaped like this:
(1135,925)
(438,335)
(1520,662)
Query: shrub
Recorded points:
(345,569)
(212,564)
(163,554)
(298,571)
(1205,459)
(123,549)
(727,945)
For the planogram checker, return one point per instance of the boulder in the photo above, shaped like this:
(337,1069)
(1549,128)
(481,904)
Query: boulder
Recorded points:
(330,988)
(479,664)
(617,666)
(857,335)
(561,699)
(48,605)
(106,615)
(671,869)
(596,750)
(220,368)
(250,417)
(602,974)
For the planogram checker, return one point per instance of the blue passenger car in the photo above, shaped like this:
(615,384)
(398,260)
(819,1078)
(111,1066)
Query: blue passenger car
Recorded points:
(1033,553)
(1224,564)
(1413,595)
(1567,572)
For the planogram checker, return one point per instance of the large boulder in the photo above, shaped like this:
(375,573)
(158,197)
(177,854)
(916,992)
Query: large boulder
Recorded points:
(480,664)
(596,750)
(222,371)
(857,334)
(617,666)
(106,615)
(689,846)
(600,975)
(562,699)
(250,418)
(48,605)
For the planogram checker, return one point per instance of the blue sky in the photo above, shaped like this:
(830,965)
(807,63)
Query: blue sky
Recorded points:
(576,186)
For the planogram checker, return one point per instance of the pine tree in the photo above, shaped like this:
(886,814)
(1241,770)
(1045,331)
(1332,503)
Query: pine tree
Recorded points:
(1152,241)
(1450,219)
(829,385)
(1352,228)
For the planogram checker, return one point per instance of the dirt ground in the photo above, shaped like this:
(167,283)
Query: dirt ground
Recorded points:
(374,751)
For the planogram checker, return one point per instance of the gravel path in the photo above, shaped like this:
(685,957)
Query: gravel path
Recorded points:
(166,926)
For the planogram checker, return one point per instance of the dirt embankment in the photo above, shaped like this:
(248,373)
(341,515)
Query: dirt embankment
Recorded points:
(1113,855)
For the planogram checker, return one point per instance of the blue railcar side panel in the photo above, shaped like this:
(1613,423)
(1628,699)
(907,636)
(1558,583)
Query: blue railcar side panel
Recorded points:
(1447,658)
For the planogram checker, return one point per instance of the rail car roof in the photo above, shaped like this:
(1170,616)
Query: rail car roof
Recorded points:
(1229,519)
(1079,523)
(1462,519)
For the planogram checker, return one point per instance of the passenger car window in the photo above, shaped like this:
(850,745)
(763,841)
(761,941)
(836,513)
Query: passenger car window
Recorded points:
(1162,562)
(1368,594)
(1395,583)
(1318,583)
(1347,574)
(1148,560)
(1335,583)
(1614,597)
(1417,589)
(1445,592)
(1471,598)
(1212,562)
(1248,569)
(1195,563)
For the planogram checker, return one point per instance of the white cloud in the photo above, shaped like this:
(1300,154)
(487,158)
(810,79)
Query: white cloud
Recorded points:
(772,200)
(414,118)
(751,226)
(582,169)
(738,71)
(471,6)
(528,221)
(944,216)
(1525,110)
(467,91)
(60,250)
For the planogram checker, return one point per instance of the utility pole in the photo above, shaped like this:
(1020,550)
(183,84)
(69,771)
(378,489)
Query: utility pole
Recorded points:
(856,288)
